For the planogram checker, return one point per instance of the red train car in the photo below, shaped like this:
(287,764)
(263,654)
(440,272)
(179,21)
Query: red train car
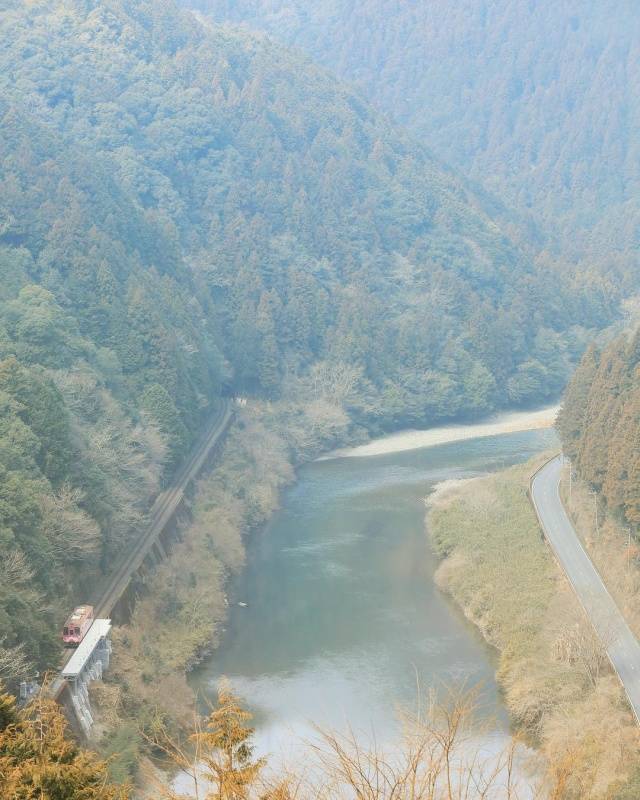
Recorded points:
(77,625)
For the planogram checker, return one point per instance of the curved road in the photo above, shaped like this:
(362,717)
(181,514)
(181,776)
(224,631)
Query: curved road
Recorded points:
(621,645)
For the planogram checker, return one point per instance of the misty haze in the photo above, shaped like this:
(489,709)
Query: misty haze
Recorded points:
(319,400)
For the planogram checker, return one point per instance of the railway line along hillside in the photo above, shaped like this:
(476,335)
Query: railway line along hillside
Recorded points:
(188,209)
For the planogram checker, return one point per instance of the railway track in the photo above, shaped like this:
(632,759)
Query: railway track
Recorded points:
(162,511)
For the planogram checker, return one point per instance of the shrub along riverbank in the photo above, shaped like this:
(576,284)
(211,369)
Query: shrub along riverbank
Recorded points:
(558,687)
(181,612)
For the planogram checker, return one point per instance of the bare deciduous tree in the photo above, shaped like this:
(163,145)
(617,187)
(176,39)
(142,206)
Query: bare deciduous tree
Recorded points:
(439,759)
(73,534)
(16,579)
(13,662)
(578,644)
(335,381)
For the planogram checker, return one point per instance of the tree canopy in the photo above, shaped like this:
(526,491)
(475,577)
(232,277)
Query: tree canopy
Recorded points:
(188,208)
(600,423)
(535,101)
(307,225)
(40,761)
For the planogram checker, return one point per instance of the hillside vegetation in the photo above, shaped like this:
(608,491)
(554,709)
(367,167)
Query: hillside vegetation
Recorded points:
(534,100)
(105,371)
(600,424)
(320,231)
(186,207)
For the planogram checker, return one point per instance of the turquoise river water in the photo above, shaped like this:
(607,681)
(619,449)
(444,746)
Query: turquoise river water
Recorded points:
(343,624)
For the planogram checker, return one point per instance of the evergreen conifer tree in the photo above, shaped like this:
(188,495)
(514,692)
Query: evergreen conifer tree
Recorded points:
(226,748)
(38,760)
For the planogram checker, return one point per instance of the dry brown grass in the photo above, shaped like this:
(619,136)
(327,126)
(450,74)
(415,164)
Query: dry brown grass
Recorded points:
(557,684)
(608,548)
(437,758)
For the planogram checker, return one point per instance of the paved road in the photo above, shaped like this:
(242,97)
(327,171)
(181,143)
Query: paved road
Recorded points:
(165,506)
(621,645)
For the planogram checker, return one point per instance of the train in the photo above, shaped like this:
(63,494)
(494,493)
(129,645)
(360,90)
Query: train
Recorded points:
(77,625)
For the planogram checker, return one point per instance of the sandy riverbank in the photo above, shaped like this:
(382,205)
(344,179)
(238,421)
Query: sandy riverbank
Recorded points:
(511,422)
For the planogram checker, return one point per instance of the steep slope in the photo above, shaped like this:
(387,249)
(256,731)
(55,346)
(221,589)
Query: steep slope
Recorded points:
(107,364)
(535,100)
(183,206)
(600,423)
(302,210)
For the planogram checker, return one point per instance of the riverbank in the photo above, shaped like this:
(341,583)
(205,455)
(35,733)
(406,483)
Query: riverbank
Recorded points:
(557,684)
(180,612)
(512,422)
(182,609)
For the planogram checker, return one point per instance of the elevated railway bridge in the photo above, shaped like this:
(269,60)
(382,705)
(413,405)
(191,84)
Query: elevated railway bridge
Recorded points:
(88,661)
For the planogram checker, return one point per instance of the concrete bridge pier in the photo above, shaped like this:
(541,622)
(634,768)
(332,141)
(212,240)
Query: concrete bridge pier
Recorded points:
(86,665)
(159,550)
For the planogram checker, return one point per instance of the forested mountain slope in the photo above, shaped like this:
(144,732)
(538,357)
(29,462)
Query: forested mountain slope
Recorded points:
(538,101)
(107,363)
(600,423)
(319,229)
(184,206)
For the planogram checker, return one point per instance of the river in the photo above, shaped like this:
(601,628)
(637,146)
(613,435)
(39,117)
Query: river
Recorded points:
(342,621)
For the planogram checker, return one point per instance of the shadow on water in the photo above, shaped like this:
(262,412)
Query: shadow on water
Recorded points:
(343,620)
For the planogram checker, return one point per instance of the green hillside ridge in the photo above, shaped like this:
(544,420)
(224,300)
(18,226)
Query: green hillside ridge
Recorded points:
(533,100)
(93,371)
(600,424)
(186,207)
(303,211)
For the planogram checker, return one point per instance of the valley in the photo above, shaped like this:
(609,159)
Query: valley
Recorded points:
(382,258)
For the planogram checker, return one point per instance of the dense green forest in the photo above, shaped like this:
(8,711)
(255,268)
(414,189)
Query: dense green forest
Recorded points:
(188,208)
(107,361)
(536,101)
(600,424)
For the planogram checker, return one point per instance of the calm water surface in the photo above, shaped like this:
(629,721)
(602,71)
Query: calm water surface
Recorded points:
(343,621)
